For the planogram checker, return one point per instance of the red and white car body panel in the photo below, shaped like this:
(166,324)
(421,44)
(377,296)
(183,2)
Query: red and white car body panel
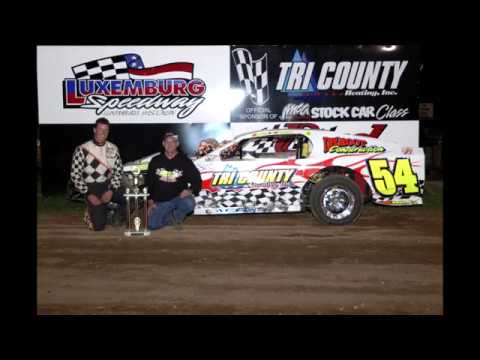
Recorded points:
(272,181)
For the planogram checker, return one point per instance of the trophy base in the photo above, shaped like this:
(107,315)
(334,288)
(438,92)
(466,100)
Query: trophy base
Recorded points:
(137,233)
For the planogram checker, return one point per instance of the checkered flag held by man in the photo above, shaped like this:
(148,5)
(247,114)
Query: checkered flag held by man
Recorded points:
(253,75)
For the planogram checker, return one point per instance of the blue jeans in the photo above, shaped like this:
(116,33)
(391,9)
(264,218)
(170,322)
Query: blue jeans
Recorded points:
(161,214)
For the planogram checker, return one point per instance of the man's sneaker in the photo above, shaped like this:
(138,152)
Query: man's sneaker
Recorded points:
(87,220)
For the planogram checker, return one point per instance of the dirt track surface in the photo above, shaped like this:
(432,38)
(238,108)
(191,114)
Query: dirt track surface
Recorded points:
(389,262)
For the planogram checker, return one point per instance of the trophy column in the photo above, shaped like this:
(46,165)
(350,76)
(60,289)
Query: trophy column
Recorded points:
(138,226)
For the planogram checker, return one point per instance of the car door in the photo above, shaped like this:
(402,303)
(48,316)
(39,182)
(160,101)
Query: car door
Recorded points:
(256,175)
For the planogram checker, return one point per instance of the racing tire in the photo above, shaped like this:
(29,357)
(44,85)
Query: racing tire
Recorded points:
(336,200)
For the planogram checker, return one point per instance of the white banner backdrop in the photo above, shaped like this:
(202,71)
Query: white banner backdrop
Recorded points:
(133,84)
(401,132)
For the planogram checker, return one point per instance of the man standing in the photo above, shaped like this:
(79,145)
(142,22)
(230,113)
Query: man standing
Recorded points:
(172,180)
(97,172)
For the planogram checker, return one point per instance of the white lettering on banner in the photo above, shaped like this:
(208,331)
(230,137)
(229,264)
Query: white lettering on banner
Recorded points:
(308,75)
(363,112)
(386,68)
(290,111)
(258,114)
(343,75)
(330,112)
(323,81)
(284,66)
(185,105)
(256,117)
(371,74)
(354,82)
(399,68)
(389,112)
(348,74)
(298,69)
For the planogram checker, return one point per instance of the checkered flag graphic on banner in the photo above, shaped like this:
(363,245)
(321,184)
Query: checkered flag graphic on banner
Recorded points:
(253,75)
(115,67)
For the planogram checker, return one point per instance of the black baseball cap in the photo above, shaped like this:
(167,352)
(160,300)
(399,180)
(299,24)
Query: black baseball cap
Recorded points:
(170,134)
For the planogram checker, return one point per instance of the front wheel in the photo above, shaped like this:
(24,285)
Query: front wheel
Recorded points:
(336,200)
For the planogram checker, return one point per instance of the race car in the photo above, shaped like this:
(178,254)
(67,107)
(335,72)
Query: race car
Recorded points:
(327,173)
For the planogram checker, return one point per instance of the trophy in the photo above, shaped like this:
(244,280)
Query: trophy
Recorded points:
(137,219)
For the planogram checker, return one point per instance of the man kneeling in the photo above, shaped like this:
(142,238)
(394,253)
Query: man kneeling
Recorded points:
(96,171)
(172,180)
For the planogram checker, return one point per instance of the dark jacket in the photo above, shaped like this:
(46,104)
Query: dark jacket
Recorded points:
(167,178)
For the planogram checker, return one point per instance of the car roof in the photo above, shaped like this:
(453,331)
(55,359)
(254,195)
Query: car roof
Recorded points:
(267,132)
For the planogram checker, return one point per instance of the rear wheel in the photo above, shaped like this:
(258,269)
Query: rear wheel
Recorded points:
(336,200)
